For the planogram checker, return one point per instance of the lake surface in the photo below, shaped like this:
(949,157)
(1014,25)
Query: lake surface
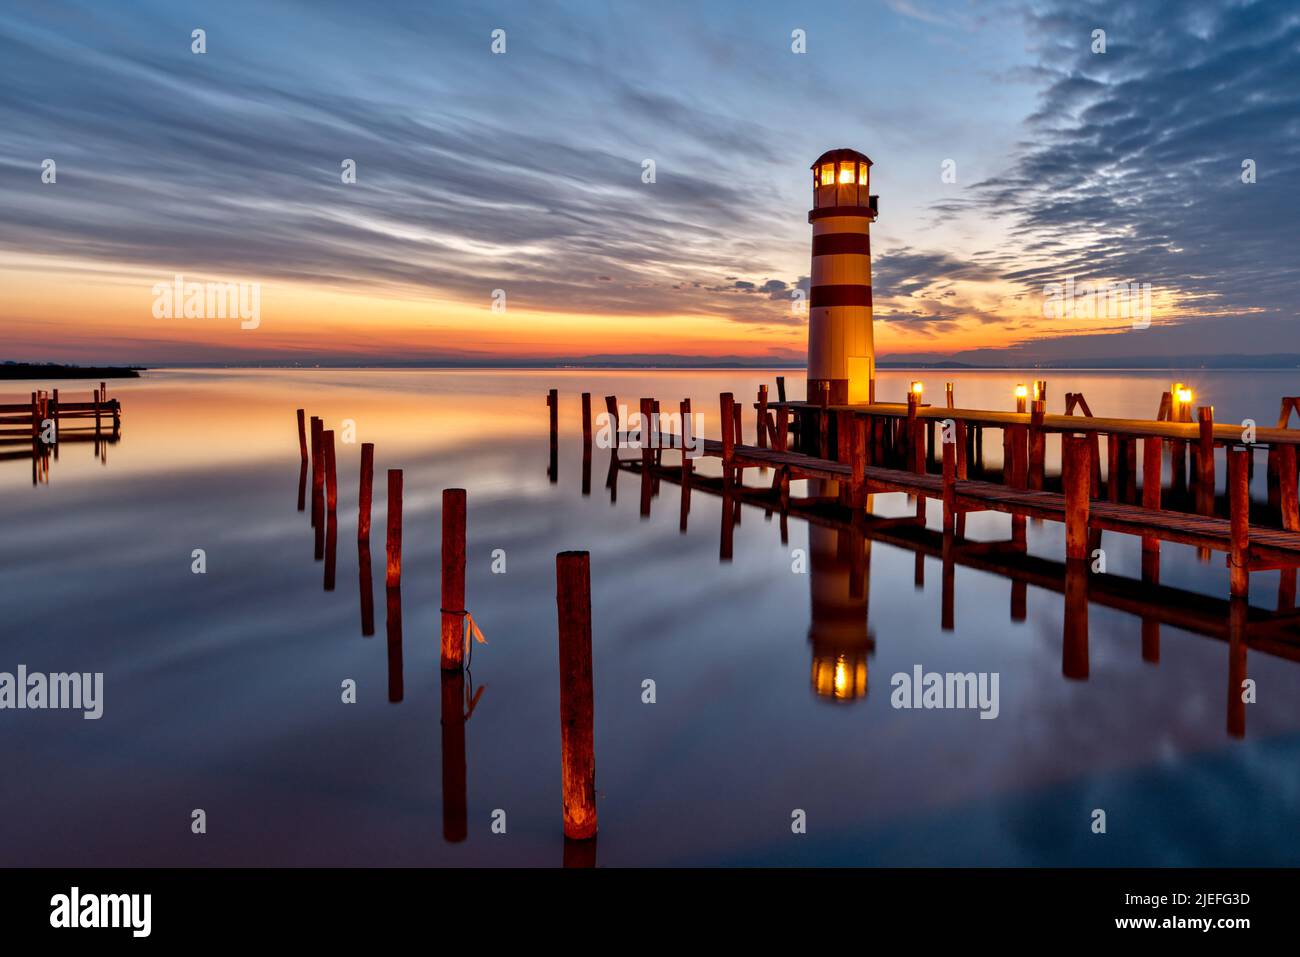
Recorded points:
(222,691)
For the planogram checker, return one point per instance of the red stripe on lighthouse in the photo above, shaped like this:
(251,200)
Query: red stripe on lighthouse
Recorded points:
(832,244)
(855,295)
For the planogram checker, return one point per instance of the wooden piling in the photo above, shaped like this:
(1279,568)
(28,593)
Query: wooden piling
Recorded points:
(1205,459)
(858,458)
(393,544)
(365,490)
(586,418)
(1286,488)
(727,423)
(553,403)
(331,474)
(780,388)
(611,408)
(762,416)
(1037,445)
(302,432)
(1239,513)
(453,579)
(577,731)
(1075,480)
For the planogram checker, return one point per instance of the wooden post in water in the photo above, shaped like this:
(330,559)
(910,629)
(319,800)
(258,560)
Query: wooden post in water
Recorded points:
(762,416)
(1205,459)
(453,579)
(317,469)
(1239,510)
(54,413)
(1286,488)
(302,434)
(947,390)
(1075,479)
(586,418)
(393,543)
(1037,445)
(858,458)
(553,403)
(611,408)
(577,731)
(365,490)
(780,389)
(1151,466)
(331,474)
(726,423)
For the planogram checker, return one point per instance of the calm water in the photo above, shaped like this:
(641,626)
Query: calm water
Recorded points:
(222,691)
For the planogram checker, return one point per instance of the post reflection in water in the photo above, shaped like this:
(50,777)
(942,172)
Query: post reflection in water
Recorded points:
(366,583)
(331,549)
(1074,646)
(840,541)
(455,825)
(395,686)
(579,853)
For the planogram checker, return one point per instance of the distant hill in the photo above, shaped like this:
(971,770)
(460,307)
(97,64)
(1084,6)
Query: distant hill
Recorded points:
(50,370)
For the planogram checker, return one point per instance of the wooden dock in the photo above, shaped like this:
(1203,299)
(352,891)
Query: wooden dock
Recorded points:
(929,452)
(37,428)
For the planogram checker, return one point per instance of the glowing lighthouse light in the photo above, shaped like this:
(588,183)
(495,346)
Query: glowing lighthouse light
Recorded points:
(841,350)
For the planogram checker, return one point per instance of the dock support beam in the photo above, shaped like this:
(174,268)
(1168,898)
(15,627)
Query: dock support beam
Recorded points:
(1076,467)
(1239,505)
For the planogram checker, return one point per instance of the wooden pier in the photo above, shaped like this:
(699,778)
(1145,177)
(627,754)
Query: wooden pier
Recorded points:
(929,452)
(37,428)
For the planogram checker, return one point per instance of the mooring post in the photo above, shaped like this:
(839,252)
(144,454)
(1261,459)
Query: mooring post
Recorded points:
(1205,458)
(611,410)
(947,390)
(36,418)
(393,544)
(577,738)
(365,490)
(553,403)
(1239,511)
(1151,464)
(738,430)
(858,456)
(317,456)
(54,414)
(687,437)
(1286,487)
(1075,478)
(780,388)
(586,418)
(453,578)
(726,423)
(302,434)
(1037,444)
(331,475)
(762,416)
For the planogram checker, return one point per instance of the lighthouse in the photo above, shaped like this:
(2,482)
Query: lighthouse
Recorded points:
(841,352)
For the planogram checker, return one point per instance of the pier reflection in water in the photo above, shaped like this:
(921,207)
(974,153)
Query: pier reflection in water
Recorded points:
(839,568)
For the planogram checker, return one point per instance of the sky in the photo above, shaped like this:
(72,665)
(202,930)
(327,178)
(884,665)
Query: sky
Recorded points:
(500,208)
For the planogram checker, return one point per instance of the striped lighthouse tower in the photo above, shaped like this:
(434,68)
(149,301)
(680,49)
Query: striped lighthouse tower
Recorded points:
(841,351)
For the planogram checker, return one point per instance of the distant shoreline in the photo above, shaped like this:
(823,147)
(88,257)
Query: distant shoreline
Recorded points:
(29,370)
